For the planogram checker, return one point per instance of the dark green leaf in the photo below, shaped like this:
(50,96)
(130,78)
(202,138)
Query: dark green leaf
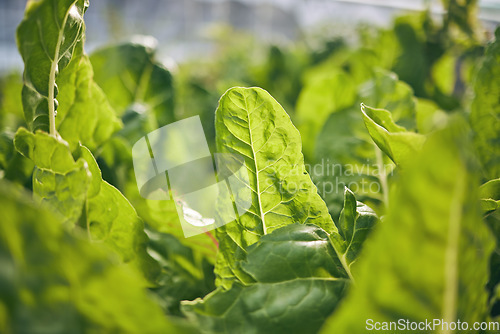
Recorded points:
(54,282)
(299,283)
(185,275)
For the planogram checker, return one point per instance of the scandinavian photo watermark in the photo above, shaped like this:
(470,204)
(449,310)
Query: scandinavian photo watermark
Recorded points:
(174,162)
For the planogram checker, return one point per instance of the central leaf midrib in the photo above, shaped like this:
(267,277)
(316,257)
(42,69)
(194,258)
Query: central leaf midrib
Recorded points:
(264,228)
(451,255)
(52,73)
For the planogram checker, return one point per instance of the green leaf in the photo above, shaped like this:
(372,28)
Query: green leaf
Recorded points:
(384,90)
(429,117)
(11,107)
(13,166)
(299,282)
(55,282)
(110,218)
(346,157)
(355,225)
(115,160)
(322,95)
(129,74)
(394,140)
(462,14)
(184,276)
(164,218)
(429,258)
(490,195)
(76,191)
(58,180)
(444,73)
(251,124)
(485,111)
(46,39)
(345,154)
(84,115)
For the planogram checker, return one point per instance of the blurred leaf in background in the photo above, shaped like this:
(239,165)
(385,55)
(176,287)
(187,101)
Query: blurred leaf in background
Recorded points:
(448,271)
(49,274)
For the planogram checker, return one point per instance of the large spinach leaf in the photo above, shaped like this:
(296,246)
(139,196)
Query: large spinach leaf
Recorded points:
(251,124)
(46,38)
(299,281)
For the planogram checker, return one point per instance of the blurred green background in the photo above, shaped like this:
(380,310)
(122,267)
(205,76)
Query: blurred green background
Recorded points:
(319,59)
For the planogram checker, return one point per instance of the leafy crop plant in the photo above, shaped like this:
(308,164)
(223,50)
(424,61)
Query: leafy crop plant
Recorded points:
(81,251)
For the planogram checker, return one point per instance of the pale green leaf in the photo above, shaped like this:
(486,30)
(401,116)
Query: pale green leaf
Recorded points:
(485,111)
(355,225)
(322,95)
(57,179)
(84,114)
(55,282)
(429,257)
(428,116)
(394,140)
(76,191)
(251,124)
(130,75)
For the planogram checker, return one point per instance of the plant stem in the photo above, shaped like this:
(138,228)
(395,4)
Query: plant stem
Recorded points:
(52,78)
(52,81)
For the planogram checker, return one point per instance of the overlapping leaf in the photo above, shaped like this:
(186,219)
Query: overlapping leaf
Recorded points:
(56,67)
(184,274)
(141,90)
(394,140)
(46,39)
(345,155)
(298,282)
(76,191)
(84,114)
(356,222)
(52,281)
(251,124)
(485,111)
(130,75)
(440,234)
(58,179)
(14,167)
